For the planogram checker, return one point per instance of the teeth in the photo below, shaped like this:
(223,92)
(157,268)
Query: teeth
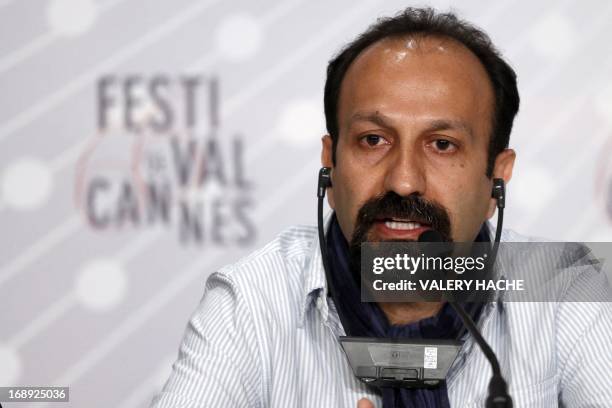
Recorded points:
(398,225)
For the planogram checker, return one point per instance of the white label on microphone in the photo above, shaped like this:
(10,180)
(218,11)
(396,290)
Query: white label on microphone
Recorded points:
(430,358)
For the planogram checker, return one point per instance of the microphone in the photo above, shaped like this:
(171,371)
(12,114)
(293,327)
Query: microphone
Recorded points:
(431,236)
(498,394)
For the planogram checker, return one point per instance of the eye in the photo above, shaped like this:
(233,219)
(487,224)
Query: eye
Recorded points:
(443,145)
(374,140)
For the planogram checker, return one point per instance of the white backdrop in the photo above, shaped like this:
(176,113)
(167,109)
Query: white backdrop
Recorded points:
(104,251)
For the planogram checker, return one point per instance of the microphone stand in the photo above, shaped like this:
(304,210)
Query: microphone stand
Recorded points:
(498,391)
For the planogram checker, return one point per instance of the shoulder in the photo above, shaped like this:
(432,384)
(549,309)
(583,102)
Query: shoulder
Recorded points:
(566,277)
(292,245)
(509,235)
(555,268)
(271,279)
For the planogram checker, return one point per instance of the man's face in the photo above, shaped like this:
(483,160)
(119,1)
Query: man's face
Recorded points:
(414,117)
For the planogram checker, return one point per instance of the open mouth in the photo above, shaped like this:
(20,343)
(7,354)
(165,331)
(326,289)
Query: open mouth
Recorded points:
(404,225)
(399,228)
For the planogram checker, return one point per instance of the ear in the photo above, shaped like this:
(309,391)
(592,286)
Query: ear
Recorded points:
(504,164)
(326,161)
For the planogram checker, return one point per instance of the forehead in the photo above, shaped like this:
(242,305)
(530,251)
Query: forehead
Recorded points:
(416,78)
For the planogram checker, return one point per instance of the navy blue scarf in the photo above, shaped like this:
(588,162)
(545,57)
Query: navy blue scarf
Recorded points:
(368,320)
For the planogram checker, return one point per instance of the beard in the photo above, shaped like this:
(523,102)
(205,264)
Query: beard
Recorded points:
(392,205)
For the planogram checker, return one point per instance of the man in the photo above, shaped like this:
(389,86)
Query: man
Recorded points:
(419,111)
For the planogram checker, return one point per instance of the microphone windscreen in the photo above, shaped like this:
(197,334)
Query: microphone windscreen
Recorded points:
(431,236)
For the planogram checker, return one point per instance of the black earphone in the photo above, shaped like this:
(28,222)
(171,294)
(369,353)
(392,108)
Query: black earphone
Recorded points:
(324,181)
(498,192)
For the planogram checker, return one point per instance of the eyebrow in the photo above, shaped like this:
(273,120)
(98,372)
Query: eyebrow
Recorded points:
(446,124)
(433,125)
(373,117)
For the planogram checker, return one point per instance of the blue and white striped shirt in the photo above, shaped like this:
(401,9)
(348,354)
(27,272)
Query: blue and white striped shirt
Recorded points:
(265,335)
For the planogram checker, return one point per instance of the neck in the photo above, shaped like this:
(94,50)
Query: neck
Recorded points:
(409,312)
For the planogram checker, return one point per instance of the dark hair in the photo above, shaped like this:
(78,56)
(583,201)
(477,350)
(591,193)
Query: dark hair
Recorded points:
(427,22)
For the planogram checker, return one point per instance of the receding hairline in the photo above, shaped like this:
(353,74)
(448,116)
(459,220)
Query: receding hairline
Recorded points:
(420,42)
(420,39)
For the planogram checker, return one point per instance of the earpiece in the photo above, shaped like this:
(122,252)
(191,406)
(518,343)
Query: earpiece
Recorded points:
(324,181)
(499,192)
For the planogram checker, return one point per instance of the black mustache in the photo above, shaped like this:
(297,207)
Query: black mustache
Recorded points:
(393,206)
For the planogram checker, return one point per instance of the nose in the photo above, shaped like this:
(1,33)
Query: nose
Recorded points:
(405,174)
